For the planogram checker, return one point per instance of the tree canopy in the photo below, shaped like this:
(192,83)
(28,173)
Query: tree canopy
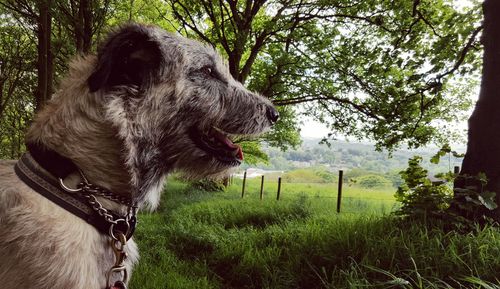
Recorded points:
(372,69)
(390,71)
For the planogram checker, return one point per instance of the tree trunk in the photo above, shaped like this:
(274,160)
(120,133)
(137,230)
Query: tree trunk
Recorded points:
(50,55)
(87,25)
(45,68)
(78,24)
(483,148)
(82,25)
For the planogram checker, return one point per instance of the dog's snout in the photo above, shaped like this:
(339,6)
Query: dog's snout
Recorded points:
(272,114)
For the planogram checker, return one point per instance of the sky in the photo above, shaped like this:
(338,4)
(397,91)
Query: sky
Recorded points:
(312,128)
(315,129)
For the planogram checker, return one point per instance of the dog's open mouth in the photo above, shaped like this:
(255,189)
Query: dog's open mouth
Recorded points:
(217,144)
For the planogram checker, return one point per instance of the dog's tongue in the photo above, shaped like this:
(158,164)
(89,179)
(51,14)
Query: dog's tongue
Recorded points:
(225,140)
(240,153)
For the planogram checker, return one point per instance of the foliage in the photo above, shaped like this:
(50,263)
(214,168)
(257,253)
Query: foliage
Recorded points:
(299,156)
(373,181)
(16,88)
(356,173)
(284,134)
(326,175)
(423,198)
(444,150)
(253,153)
(420,197)
(142,11)
(309,175)
(207,185)
(356,159)
(475,195)
(390,71)
(370,69)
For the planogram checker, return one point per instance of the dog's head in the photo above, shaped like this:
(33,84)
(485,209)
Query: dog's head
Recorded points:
(174,102)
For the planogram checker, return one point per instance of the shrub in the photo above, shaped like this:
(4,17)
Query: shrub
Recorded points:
(208,185)
(422,198)
(419,196)
(373,181)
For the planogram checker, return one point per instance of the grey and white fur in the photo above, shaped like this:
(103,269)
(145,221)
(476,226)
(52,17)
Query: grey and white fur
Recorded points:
(148,104)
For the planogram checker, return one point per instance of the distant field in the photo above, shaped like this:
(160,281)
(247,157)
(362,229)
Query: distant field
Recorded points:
(355,199)
(203,240)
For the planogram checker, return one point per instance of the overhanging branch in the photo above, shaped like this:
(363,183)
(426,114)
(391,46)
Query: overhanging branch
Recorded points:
(463,53)
(309,98)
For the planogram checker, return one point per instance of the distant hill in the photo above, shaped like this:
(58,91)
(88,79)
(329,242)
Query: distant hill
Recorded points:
(350,155)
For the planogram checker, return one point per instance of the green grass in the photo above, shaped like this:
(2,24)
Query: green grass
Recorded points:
(323,196)
(218,240)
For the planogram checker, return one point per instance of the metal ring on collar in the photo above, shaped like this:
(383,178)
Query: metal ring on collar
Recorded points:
(112,228)
(70,190)
(67,189)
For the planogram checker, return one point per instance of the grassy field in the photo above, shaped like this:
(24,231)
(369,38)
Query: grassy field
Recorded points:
(322,196)
(218,240)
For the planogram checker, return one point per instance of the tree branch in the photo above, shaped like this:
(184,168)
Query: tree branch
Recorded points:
(193,27)
(463,53)
(224,41)
(291,101)
(20,7)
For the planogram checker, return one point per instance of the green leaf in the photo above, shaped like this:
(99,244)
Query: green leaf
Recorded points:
(488,200)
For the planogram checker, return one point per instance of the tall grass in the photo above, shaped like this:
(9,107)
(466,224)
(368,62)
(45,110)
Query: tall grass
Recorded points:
(217,240)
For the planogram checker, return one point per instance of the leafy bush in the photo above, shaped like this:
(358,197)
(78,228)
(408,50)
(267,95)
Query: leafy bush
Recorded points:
(208,185)
(356,173)
(472,197)
(373,181)
(420,197)
(326,176)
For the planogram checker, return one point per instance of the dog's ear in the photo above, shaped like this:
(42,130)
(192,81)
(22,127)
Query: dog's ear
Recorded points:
(128,57)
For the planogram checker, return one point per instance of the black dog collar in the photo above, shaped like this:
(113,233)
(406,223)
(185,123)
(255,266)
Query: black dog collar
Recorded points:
(41,170)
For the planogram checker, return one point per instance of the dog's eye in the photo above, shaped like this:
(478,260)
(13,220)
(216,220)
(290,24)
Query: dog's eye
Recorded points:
(208,71)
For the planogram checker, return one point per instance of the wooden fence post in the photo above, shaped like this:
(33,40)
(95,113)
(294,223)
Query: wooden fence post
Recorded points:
(243,187)
(262,187)
(279,189)
(339,196)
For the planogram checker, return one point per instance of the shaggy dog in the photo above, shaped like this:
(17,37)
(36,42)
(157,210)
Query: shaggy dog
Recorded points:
(149,103)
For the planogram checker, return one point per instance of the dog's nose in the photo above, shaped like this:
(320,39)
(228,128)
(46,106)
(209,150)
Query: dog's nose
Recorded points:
(272,114)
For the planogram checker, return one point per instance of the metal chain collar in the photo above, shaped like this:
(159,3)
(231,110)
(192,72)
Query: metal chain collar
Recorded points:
(88,188)
(96,206)
(101,192)
(118,239)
